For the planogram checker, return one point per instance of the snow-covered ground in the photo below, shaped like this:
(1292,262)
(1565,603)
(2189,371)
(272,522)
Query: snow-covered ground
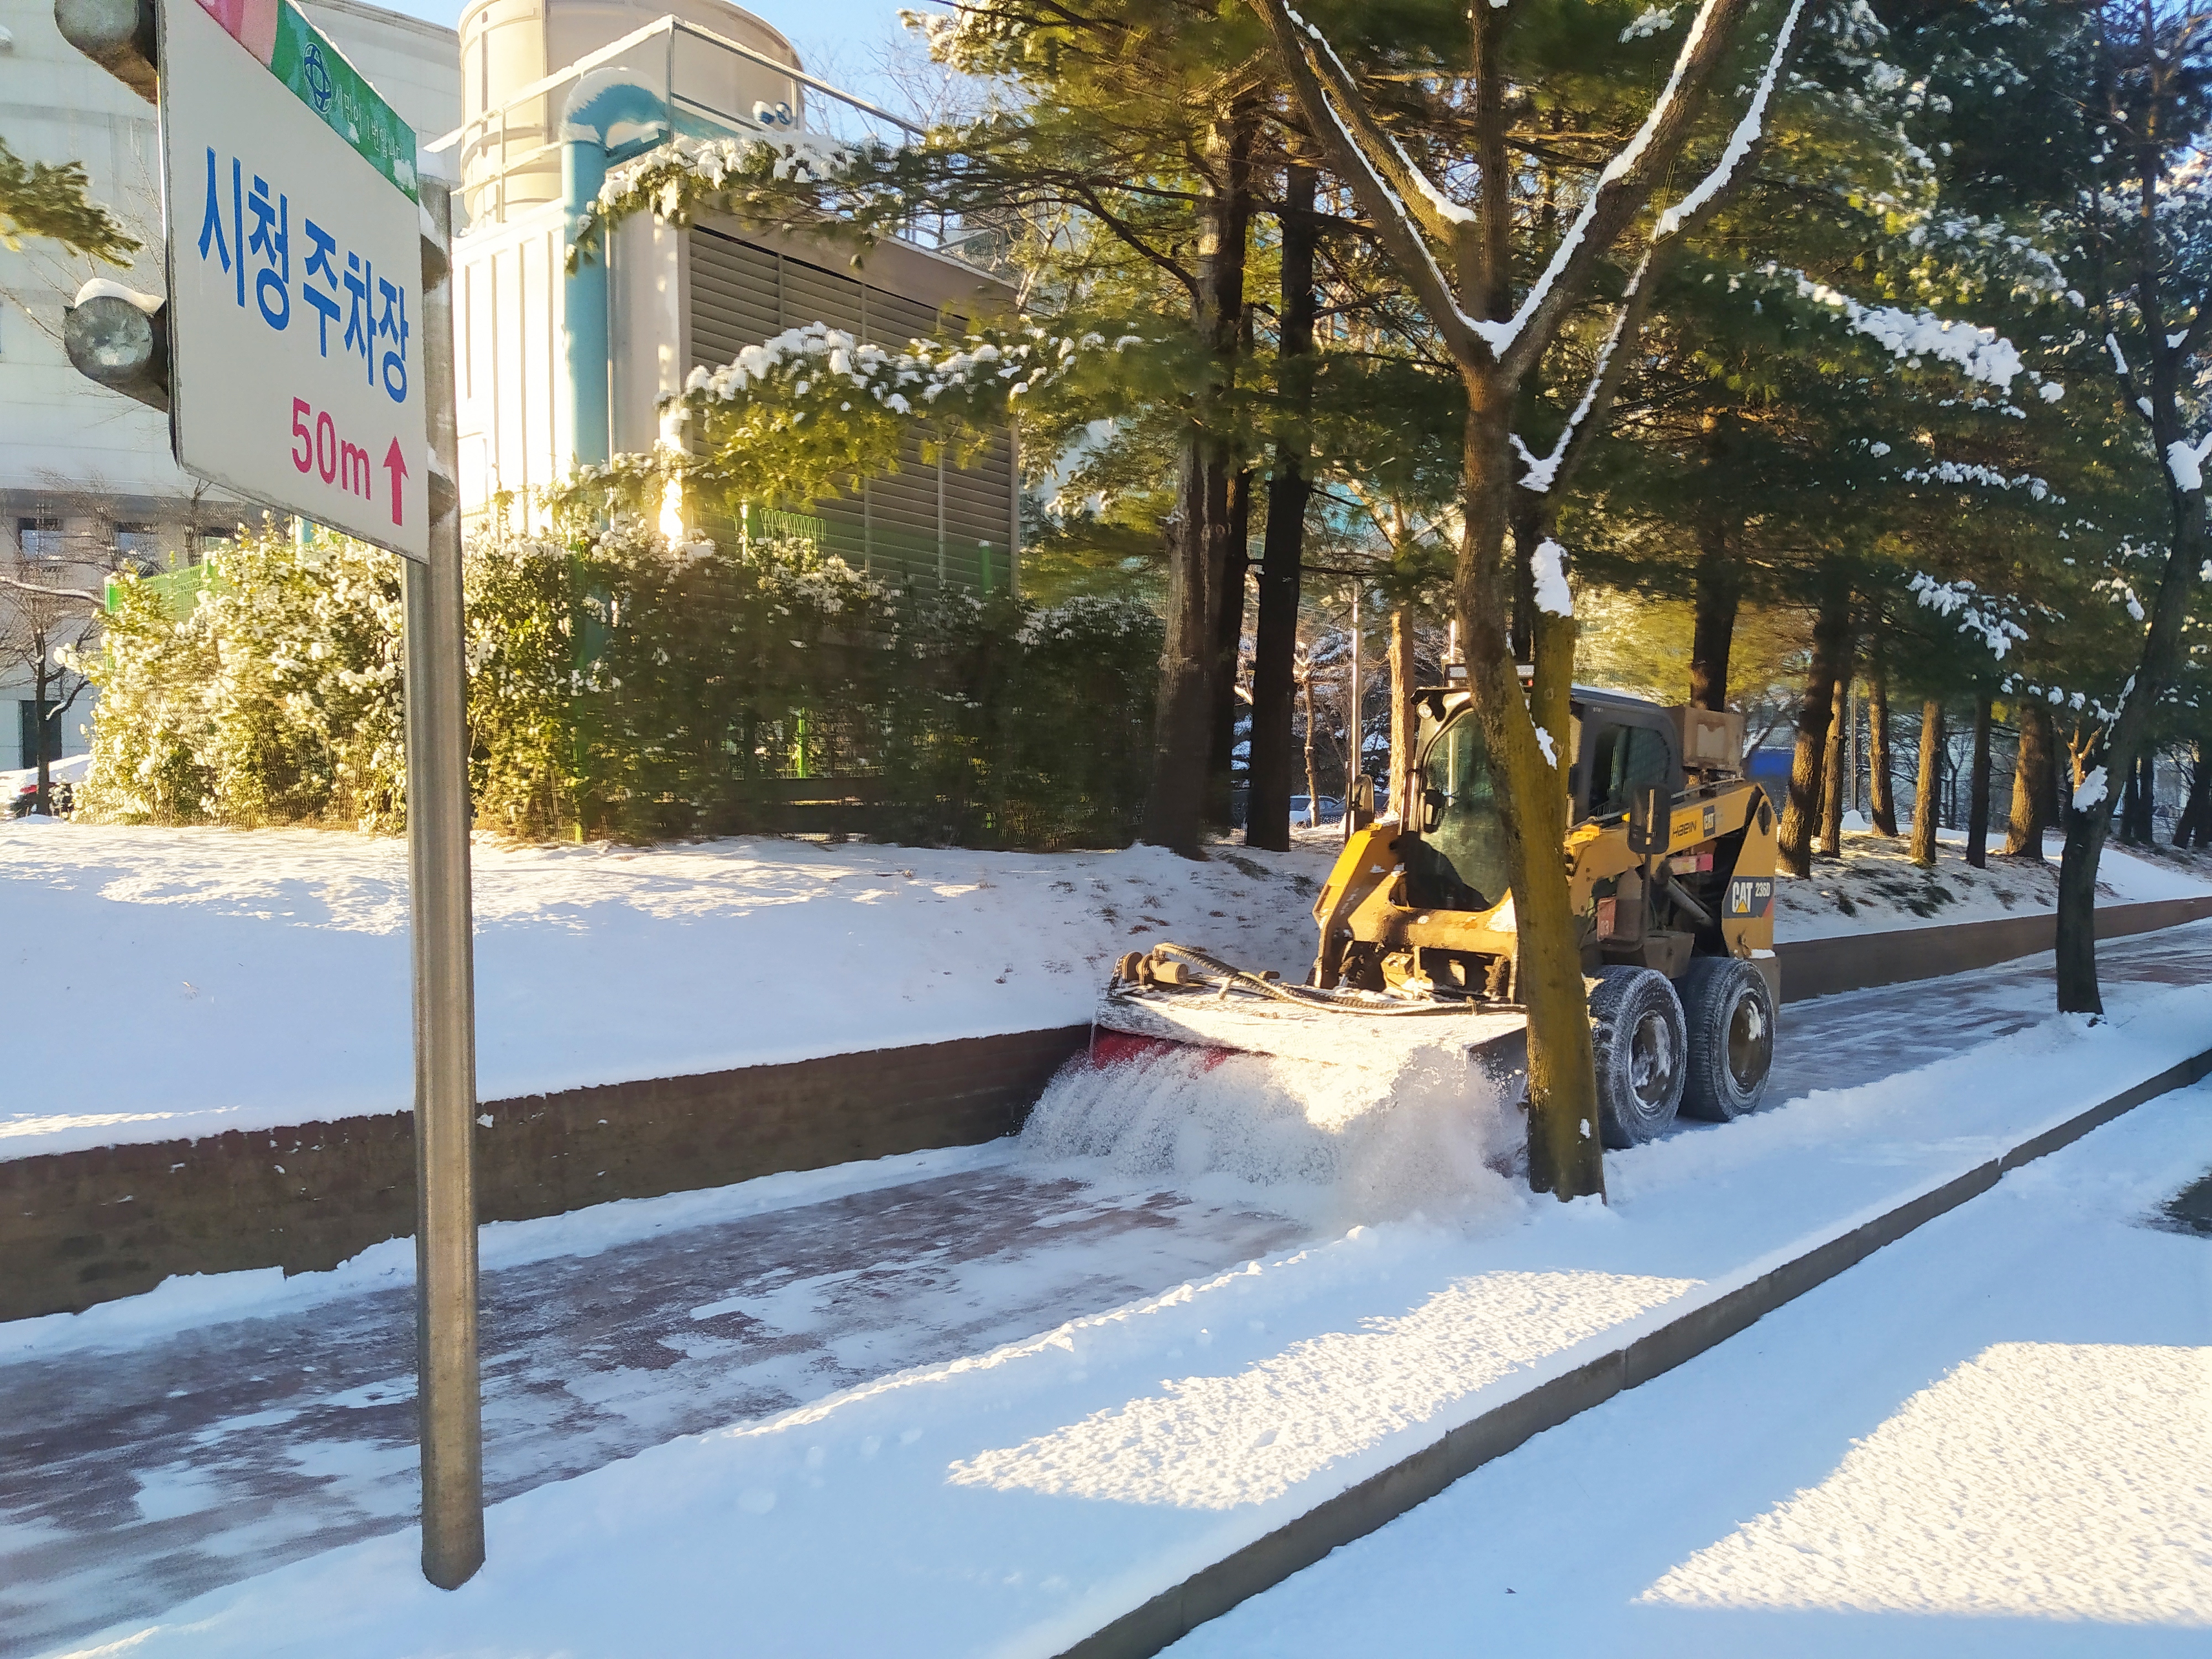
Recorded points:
(1875,887)
(1993,1437)
(188,982)
(1011,1500)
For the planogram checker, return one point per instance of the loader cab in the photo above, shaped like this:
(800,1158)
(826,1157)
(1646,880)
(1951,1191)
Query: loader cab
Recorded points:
(1620,746)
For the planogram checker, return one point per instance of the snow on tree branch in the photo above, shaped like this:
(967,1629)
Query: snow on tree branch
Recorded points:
(1665,112)
(1399,227)
(1553,597)
(2186,462)
(1741,140)
(1540,474)
(675,180)
(1980,354)
(1966,472)
(1975,612)
(788,418)
(1337,81)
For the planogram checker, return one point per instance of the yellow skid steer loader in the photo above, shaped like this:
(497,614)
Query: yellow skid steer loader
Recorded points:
(1671,862)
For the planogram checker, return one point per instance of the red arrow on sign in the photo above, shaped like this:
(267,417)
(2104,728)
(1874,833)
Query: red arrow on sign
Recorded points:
(395,463)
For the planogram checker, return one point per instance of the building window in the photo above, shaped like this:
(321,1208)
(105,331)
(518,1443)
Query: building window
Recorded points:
(141,544)
(39,539)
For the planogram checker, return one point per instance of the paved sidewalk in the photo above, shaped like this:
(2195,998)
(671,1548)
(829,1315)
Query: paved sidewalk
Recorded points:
(130,1481)
(1989,1439)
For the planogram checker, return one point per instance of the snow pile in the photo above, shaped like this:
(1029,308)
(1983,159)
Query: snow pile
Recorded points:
(1330,1144)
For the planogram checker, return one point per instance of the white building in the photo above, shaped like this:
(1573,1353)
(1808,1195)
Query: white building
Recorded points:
(84,470)
(555,367)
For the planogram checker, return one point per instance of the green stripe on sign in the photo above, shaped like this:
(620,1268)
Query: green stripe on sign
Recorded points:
(320,78)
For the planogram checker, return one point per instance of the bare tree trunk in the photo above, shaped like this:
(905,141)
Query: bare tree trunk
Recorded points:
(1926,808)
(2194,827)
(1720,587)
(1175,812)
(1978,790)
(1832,643)
(1275,643)
(1523,569)
(1402,721)
(44,798)
(1719,594)
(1229,640)
(2034,783)
(1565,1155)
(1881,793)
(1355,714)
(1313,777)
(1831,773)
(1175,808)
(2142,800)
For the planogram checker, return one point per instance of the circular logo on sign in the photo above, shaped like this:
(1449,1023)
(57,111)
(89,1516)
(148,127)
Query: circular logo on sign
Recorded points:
(317,74)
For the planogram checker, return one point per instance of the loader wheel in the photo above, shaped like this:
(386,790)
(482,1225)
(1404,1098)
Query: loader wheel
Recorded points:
(1641,1047)
(1730,1015)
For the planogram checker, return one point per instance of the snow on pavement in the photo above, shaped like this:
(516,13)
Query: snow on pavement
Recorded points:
(1010,1501)
(216,1428)
(202,980)
(1993,1437)
(196,980)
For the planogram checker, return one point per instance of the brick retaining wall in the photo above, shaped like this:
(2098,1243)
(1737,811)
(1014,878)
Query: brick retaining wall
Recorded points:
(81,1227)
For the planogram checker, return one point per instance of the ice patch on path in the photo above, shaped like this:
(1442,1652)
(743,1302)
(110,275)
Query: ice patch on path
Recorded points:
(1332,1146)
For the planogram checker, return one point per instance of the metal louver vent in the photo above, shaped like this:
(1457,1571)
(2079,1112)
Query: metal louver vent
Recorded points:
(929,523)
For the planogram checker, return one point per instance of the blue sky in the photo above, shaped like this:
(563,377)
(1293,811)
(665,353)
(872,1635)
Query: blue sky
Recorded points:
(835,38)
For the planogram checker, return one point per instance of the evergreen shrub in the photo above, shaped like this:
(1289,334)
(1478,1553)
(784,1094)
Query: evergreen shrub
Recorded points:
(624,688)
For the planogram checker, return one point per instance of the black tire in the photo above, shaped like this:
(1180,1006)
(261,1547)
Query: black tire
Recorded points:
(1641,1051)
(1730,1014)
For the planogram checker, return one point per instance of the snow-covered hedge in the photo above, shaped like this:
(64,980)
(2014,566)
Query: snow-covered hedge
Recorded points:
(275,699)
(623,688)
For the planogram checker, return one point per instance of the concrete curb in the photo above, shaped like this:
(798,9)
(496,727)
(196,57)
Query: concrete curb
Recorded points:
(1267,1562)
(1860,962)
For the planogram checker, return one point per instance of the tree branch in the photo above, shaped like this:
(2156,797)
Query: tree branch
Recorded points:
(1396,226)
(1623,188)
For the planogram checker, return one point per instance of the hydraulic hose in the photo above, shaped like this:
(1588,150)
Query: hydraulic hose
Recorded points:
(1226,978)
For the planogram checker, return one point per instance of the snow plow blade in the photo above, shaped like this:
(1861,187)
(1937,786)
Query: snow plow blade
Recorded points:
(1335,1107)
(1177,996)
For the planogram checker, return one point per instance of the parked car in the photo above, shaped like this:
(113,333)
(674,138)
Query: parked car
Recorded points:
(1331,810)
(26,799)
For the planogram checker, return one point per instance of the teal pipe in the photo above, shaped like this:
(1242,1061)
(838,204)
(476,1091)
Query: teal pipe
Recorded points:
(593,139)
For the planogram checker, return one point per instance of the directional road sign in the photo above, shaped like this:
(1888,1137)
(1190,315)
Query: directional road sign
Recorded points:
(295,273)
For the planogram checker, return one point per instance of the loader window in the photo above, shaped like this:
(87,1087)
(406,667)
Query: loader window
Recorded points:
(1625,759)
(1460,865)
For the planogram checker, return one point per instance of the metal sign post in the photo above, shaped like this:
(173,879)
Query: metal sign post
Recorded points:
(449,1395)
(305,354)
